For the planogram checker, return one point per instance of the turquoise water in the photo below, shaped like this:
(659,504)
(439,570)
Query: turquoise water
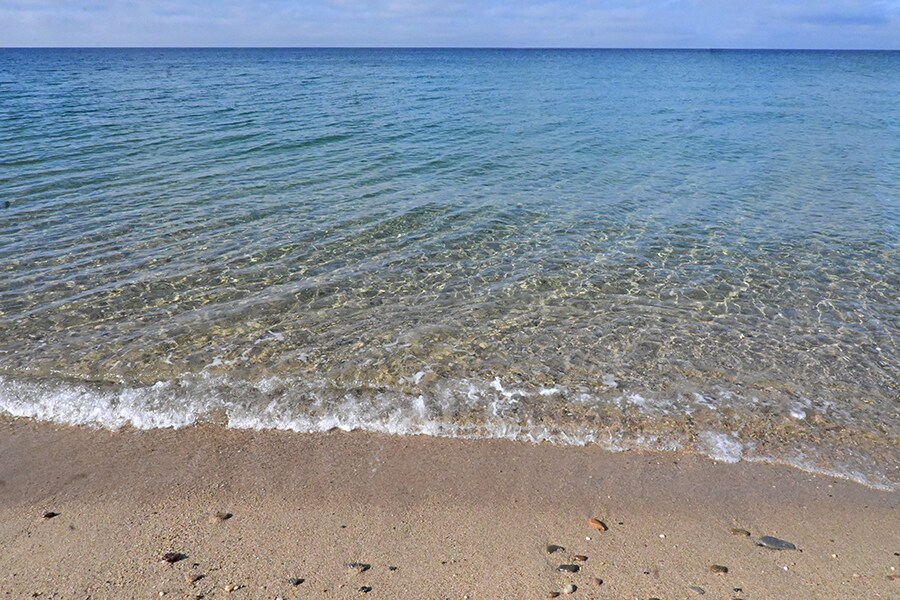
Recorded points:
(682,250)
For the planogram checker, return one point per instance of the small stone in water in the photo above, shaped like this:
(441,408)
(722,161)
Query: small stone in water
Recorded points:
(739,531)
(767,541)
(579,558)
(718,569)
(358,567)
(295,581)
(568,568)
(570,589)
(172,557)
(553,548)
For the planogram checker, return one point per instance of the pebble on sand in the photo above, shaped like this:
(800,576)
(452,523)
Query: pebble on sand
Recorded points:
(698,589)
(579,558)
(739,531)
(718,569)
(365,589)
(218,517)
(568,568)
(232,587)
(359,567)
(295,581)
(767,541)
(597,524)
(553,549)
(194,577)
(50,514)
(570,589)
(172,557)
(598,581)
(553,595)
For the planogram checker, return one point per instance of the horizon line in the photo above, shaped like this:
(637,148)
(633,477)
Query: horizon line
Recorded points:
(630,48)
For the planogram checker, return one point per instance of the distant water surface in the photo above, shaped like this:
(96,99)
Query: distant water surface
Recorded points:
(641,249)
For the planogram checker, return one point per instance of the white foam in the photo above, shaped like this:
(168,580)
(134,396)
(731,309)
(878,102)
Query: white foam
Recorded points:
(311,406)
(723,447)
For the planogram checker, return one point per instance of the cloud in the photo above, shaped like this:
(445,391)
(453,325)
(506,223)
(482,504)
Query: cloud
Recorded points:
(542,23)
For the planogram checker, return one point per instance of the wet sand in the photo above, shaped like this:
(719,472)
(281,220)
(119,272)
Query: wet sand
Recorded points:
(433,518)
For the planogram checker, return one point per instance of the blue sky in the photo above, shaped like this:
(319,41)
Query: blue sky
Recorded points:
(504,23)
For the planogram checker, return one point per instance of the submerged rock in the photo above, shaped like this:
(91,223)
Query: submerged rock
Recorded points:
(767,541)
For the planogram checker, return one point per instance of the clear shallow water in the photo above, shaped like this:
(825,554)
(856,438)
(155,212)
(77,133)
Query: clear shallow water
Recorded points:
(677,250)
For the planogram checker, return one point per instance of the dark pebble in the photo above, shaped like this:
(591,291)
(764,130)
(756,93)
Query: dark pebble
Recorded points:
(568,568)
(767,541)
(553,548)
(295,581)
(50,514)
(6,204)
(718,569)
(393,568)
(218,517)
(172,557)
(553,595)
(365,589)
(358,567)
(579,558)
(598,581)
(698,589)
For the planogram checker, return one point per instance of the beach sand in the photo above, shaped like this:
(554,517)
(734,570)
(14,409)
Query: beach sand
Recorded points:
(434,518)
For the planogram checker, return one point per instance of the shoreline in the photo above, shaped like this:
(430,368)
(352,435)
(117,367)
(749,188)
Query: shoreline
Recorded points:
(457,518)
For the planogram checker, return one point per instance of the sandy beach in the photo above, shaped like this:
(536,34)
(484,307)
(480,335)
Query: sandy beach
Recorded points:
(91,514)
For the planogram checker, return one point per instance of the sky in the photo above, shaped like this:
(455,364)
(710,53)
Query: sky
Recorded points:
(449,23)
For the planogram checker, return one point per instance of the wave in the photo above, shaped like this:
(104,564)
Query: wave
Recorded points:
(318,406)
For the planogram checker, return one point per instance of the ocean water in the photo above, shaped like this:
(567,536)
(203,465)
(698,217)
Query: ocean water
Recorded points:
(679,250)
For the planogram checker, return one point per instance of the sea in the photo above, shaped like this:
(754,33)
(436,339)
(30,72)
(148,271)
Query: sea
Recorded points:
(646,250)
